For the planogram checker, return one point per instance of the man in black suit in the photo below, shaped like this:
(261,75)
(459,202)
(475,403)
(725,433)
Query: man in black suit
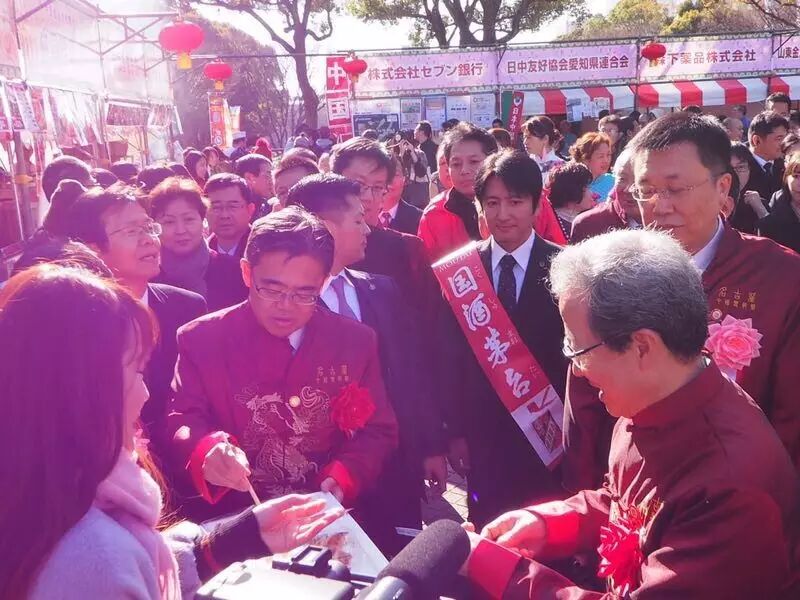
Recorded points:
(400,256)
(376,301)
(231,206)
(502,468)
(396,213)
(117,227)
(767,130)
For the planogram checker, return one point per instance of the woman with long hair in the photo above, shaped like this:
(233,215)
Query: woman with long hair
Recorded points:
(213,160)
(541,138)
(78,517)
(594,150)
(195,163)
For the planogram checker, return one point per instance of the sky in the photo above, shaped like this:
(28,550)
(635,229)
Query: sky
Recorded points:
(373,36)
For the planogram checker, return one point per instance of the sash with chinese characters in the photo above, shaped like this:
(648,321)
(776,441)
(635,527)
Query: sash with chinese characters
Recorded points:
(510,367)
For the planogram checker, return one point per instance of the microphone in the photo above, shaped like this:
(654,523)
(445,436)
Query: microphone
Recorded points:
(425,568)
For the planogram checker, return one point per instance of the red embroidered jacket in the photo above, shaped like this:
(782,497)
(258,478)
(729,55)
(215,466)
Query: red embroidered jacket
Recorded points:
(235,379)
(719,501)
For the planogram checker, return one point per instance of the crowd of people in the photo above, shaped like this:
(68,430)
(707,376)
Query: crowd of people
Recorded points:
(593,328)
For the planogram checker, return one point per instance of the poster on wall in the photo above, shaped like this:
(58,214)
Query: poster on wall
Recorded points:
(386,124)
(482,110)
(410,112)
(435,111)
(458,108)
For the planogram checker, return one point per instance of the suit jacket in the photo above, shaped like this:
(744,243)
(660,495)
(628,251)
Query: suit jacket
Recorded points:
(782,224)
(407,218)
(505,471)
(213,243)
(173,308)
(766,186)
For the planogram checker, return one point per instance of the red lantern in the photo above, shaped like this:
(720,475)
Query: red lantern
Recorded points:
(181,38)
(653,51)
(354,67)
(218,71)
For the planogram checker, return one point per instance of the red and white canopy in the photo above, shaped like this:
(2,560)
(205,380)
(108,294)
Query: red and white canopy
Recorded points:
(702,93)
(786,85)
(554,102)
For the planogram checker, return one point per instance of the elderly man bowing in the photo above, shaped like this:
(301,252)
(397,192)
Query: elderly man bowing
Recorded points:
(701,499)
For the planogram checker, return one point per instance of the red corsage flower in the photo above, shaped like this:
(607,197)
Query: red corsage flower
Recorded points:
(352,408)
(620,551)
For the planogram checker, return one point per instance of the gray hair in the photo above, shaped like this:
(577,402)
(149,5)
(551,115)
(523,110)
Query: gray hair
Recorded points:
(635,280)
(623,160)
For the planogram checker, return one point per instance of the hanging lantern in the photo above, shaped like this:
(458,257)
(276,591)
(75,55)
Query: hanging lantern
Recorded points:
(218,72)
(652,51)
(354,67)
(181,37)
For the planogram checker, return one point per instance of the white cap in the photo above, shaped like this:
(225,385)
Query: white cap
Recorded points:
(239,135)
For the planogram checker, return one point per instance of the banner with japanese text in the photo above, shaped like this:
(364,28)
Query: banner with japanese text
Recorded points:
(442,70)
(337,98)
(558,64)
(216,119)
(698,58)
(787,52)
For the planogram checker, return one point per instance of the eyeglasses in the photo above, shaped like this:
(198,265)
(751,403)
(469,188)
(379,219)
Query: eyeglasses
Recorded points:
(571,354)
(223,208)
(376,191)
(742,169)
(278,296)
(647,194)
(133,232)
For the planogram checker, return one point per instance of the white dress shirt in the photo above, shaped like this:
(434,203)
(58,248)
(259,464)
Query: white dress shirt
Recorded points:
(296,338)
(230,251)
(522,255)
(332,301)
(762,161)
(703,257)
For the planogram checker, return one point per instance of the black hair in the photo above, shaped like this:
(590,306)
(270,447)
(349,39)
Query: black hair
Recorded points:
(603,113)
(65,167)
(152,175)
(57,220)
(85,221)
(104,177)
(766,122)
(251,164)
(323,194)
(124,171)
(502,137)
(612,119)
(704,132)
(287,163)
(190,161)
(541,126)
(291,230)
(343,154)
(174,188)
(568,183)
(425,127)
(518,172)
(693,108)
(790,140)
(779,97)
(45,248)
(370,134)
(449,124)
(222,181)
(498,123)
(179,170)
(794,118)
(467,132)
(734,191)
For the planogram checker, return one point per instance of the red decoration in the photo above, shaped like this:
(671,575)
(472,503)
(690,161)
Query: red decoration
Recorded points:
(352,408)
(653,51)
(620,551)
(354,67)
(218,71)
(181,38)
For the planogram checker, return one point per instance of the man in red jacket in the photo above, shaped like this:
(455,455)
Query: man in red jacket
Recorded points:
(451,219)
(751,283)
(275,392)
(620,211)
(701,499)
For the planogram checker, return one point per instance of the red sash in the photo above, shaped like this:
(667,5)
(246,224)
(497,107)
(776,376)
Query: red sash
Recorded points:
(513,372)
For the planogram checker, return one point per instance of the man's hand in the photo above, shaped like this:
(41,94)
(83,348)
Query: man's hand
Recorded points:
(227,465)
(435,468)
(459,456)
(518,530)
(753,200)
(288,522)
(329,485)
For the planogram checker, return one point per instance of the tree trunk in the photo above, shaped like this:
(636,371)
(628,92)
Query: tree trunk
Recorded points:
(310,98)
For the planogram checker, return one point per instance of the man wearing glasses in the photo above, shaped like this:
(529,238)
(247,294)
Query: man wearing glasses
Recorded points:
(231,205)
(116,226)
(275,393)
(680,167)
(700,498)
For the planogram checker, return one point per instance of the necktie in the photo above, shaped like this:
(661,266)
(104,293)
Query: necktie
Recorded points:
(507,283)
(344,308)
(386,220)
(768,169)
